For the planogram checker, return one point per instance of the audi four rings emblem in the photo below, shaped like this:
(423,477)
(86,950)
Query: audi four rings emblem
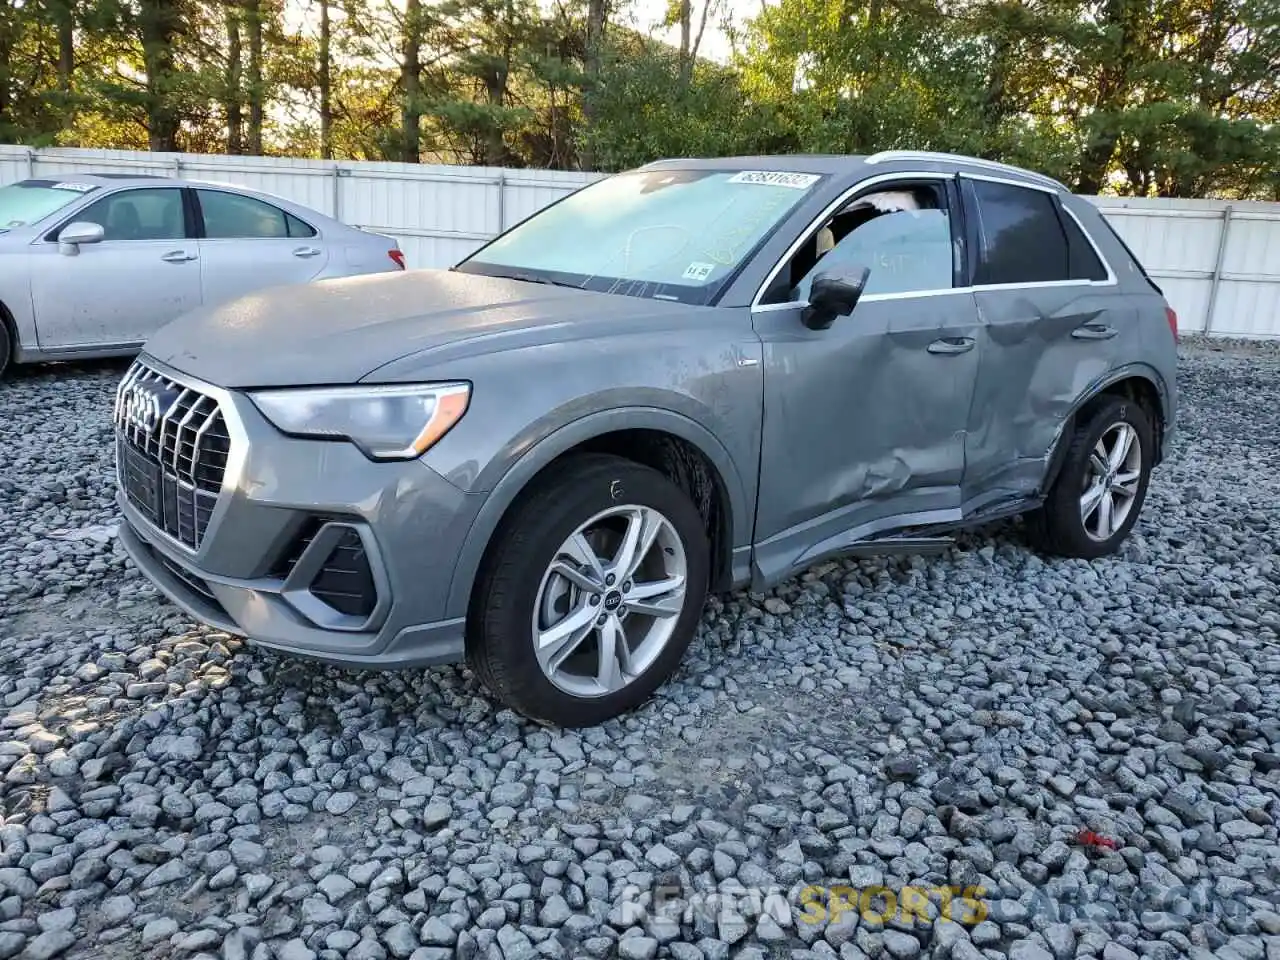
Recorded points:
(142,407)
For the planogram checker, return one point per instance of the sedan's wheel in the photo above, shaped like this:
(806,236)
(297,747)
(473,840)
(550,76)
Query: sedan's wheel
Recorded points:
(592,592)
(1099,492)
(6,348)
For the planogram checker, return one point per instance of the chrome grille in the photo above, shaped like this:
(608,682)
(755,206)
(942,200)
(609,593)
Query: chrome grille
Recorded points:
(171,452)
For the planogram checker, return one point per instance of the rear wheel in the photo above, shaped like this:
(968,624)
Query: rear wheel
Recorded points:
(592,593)
(1099,492)
(6,346)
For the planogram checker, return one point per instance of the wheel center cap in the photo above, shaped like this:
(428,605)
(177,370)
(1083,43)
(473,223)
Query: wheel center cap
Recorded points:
(612,600)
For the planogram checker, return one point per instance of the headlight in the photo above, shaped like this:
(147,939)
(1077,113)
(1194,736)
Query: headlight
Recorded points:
(385,422)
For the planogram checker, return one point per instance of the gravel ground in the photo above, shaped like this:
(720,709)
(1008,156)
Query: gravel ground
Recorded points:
(919,727)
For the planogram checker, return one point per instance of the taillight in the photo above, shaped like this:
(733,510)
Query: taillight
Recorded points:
(398,256)
(1172,317)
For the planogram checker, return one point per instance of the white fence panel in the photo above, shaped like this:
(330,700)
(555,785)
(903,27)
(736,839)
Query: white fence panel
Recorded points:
(1218,262)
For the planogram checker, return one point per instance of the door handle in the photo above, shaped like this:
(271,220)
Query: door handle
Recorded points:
(178,256)
(1094,331)
(949,346)
(306,252)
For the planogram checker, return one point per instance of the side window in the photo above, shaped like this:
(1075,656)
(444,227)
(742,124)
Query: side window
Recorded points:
(1020,238)
(149,214)
(297,228)
(1083,262)
(230,216)
(901,234)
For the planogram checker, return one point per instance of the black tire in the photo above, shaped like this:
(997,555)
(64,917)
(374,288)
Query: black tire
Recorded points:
(500,648)
(1057,526)
(6,346)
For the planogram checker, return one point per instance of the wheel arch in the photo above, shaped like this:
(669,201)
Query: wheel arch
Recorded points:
(1137,382)
(675,445)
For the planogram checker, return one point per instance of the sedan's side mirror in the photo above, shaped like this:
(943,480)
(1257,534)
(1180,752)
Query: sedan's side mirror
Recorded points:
(74,234)
(834,294)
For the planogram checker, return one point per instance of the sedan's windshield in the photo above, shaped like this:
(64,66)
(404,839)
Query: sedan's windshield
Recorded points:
(669,234)
(30,201)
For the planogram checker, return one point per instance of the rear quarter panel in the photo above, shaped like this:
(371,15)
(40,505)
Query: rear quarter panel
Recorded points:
(1155,352)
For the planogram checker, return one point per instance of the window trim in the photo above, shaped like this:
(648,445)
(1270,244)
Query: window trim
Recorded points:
(198,210)
(970,263)
(188,226)
(1061,207)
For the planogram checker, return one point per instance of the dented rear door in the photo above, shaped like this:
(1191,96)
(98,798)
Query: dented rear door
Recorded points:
(1052,325)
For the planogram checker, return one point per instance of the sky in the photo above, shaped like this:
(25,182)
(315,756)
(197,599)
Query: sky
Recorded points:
(715,46)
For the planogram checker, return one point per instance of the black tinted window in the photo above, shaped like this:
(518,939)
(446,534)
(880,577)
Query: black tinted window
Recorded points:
(1084,262)
(138,215)
(1020,237)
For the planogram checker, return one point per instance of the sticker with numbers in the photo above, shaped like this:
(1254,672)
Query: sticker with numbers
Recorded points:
(72,185)
(776,178)
(698,271)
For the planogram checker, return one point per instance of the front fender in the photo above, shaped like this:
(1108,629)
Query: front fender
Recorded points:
(542,452)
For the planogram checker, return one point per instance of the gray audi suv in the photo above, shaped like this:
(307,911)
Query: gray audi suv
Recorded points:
(697,375)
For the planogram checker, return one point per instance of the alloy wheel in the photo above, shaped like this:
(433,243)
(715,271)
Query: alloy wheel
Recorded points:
(1111,482)
(609,601)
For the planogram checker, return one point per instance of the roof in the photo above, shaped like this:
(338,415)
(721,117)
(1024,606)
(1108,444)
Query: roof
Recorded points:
(796,162)
(97,179)
(849,164)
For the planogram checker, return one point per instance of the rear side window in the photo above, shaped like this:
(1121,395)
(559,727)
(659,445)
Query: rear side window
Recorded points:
(230,216)
(1020,238)
(1083,261)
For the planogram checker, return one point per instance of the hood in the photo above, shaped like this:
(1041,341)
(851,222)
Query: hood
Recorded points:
(341,331)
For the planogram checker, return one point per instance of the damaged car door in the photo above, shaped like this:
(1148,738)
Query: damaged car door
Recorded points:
(1052,326)
(864,420)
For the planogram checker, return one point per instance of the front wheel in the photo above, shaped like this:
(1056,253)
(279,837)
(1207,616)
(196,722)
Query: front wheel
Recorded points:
(1099,492)
(592,593)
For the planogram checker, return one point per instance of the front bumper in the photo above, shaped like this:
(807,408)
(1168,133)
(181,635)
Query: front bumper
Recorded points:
(288,510)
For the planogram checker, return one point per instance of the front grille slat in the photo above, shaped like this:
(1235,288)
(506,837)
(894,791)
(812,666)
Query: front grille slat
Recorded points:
(172,447)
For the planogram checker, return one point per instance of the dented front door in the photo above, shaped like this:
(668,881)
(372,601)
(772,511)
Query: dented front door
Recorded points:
(863,422)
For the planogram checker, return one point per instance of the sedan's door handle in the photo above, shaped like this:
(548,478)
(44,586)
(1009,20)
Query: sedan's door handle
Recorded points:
(1094,331)
(952,345)
(178,256)
(307,252)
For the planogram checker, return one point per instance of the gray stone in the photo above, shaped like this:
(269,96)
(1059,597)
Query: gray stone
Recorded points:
(637,948)
(11,943)
(161,928)
(901,946)
(296,949)
(340,803)
(53,943)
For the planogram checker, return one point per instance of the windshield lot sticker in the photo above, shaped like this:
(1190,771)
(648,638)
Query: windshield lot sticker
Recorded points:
(698,271)
(776,178)
(76,187)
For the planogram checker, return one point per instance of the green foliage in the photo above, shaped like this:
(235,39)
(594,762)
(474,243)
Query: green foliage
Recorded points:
(1150,97)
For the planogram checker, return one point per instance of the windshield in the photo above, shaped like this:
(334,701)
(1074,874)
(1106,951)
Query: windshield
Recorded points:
(668,234)
(32,200)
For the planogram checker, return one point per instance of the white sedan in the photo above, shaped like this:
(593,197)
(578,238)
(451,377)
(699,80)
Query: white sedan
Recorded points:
(92,266)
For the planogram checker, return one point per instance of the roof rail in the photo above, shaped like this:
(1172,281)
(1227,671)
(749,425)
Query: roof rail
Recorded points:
(887,156)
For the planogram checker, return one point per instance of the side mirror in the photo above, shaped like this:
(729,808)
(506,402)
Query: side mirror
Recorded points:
(74,234)
(834,294)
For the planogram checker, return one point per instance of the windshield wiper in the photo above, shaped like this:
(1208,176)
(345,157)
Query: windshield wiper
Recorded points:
(530,278)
